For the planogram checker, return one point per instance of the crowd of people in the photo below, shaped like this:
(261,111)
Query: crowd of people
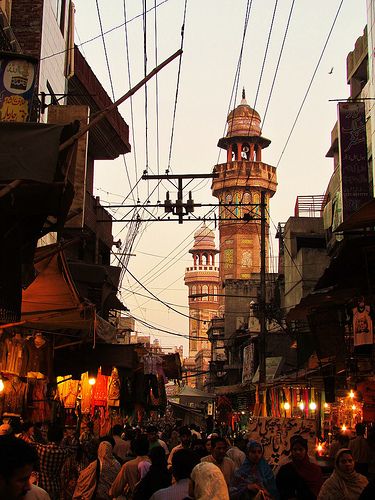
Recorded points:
(144,464)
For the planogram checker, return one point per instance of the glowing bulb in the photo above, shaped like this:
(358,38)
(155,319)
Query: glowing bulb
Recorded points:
(351,394)
(286,405)
(326,405)
(312,406)
(354,407)
(343,427)
(1,385)
(319,447)
(301,405)
(92,380)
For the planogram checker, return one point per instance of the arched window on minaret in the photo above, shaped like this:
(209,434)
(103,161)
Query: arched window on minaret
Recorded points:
(245,153)
(204,292)
(194,291)
(234,152)
(237,199)
(215,294)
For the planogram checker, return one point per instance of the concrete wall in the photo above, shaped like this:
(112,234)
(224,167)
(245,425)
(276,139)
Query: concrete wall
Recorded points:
(304,266)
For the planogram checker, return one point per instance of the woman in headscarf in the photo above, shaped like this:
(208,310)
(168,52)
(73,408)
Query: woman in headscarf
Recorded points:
(300,478)
(95,481)
(344,483)
(254,476)
(208,483)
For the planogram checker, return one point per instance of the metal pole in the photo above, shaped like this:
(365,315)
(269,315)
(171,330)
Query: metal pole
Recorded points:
(262,303)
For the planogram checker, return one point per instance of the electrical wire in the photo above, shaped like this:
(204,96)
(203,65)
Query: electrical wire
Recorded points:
(310,83)
(177,90)
(104,33)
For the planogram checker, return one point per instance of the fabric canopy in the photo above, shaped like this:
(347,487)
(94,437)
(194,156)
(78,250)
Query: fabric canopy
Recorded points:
(51,302)
(31,151)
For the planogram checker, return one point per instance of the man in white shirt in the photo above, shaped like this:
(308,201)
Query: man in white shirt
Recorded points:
(183,462)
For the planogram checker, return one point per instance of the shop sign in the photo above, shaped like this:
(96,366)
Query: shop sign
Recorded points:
(17,81)
(353,156)
(274,434)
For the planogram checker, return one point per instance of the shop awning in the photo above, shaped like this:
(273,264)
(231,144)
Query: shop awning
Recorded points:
(51,301)
(362,218)
(191,392)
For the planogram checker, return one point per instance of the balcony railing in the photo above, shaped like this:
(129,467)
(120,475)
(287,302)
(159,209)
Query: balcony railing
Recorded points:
(202,268)
(309,206)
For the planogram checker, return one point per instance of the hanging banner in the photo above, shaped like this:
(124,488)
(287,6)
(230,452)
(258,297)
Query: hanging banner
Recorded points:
(353,156)
(248,363)
(274,434)
(17,81)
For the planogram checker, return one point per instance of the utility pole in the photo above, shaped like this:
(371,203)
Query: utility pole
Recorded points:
(262,303)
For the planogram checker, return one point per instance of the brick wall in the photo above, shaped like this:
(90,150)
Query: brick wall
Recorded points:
(26,21)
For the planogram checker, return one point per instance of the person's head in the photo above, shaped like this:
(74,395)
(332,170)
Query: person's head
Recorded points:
(28,428)
(344,462)
(117,430)
(183,462)
(343,440)
(152,433)
(208,445)
(55,434)
(105,451)
(6,430)
(207,481)
(360,429)
(158,457)
(298,448)
(199,448)
(185,436)
(139,446)
(254,451)
(17,459)
(109,439)
(218,448)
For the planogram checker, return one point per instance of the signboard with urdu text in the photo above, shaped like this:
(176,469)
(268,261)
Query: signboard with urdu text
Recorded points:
(275,433)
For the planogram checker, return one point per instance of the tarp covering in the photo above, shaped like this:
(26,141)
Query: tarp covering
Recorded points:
(29,151)
(51,302)
(86,357)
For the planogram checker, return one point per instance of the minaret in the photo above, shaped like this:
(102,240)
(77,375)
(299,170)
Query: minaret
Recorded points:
(241,180)
(203,281)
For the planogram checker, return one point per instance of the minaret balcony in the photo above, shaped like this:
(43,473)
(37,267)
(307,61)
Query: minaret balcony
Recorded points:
(203,267)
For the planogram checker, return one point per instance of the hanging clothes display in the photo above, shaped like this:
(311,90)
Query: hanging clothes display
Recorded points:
(68,391)
(14,396)
(85,393)
(100,391)
(114,389)
(38,407)
(37,358)
(13,354)
(362,324)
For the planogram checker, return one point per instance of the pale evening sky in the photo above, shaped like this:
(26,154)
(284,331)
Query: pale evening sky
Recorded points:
(212,43)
